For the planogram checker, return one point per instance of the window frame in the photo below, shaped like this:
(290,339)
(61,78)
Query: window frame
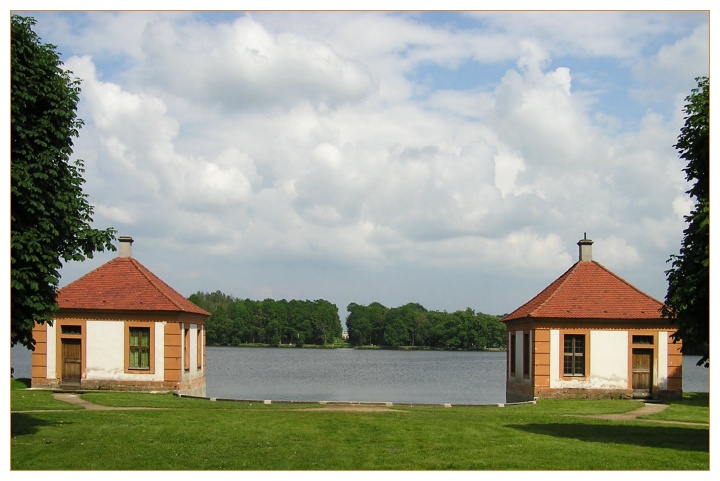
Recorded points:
(575,355)
(513,347)
(198,346)
(527,354)
(150,328)
(186,348)
(642,340)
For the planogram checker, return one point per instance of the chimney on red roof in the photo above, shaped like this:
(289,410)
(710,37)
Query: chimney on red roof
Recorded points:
(585,245)
(125,246)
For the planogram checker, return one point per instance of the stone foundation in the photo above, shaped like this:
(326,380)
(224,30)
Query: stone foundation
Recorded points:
(548,393)
(520,393)
(190,387)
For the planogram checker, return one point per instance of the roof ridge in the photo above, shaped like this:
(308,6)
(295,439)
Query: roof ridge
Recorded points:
(148,275)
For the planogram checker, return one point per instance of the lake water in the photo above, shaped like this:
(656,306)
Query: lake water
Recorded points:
(423,377)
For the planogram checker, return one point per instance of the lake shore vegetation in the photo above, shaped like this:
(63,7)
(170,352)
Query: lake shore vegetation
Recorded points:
(303,323)
(244,322)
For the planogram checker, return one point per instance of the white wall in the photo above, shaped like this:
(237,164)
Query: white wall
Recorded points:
(51,351)
(104,349)
(608,361)
(555,348)
(105,352)
(661,366)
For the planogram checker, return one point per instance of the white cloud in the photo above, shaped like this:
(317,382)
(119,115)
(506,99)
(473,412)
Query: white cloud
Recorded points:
(676,63)
(615,251)
(240,65)
(296,142)
(682,205)
(115,214)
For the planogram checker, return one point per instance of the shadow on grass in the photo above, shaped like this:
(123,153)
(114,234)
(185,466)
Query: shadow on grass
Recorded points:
(22,424)
(676,438)
(700,399)
(21,383)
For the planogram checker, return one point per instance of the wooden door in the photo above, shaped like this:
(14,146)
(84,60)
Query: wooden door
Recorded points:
(642,368)
(72,360)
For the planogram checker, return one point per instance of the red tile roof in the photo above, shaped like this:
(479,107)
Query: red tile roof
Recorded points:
(589,291)
(124,284)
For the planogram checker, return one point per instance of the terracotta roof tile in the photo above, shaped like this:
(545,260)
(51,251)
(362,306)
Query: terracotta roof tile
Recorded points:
(589,291)
(124,284)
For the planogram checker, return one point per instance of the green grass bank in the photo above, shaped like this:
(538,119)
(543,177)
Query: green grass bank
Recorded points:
(175,433)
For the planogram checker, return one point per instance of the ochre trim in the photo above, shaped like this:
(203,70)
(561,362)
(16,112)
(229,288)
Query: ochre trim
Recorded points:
(38,358)
(541,358)
(590,324)
(173,352)
(674,364)
(109,315)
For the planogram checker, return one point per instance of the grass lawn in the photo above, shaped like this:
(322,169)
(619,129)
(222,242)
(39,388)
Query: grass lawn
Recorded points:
(194,434)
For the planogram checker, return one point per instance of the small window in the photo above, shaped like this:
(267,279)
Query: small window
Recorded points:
(77,330)
(199,345)
(643,340)
(187,350)
(139,348)
(512,353)
(526,354)
(574,355)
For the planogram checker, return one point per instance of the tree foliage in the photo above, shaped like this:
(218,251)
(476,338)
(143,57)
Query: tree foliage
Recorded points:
(235,322)
(412,325)
(50,214)
(687,302)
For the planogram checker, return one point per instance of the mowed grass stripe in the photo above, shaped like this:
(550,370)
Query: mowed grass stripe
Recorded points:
(192,434)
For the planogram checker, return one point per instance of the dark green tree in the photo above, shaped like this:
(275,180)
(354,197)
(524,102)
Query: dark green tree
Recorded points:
(397,320)
(359,324)
(50,215)
(687,302)
(419,328)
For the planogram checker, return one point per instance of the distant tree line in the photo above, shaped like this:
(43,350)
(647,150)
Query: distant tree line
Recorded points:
(234,322)
(413,325)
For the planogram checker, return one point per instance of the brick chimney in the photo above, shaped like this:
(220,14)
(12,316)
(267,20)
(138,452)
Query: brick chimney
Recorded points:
(585,245)
(125,249)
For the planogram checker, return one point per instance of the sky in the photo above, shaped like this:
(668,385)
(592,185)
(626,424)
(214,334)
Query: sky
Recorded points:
(448,158)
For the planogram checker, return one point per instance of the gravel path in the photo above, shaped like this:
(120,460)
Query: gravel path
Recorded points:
(645,410)
(75,399)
